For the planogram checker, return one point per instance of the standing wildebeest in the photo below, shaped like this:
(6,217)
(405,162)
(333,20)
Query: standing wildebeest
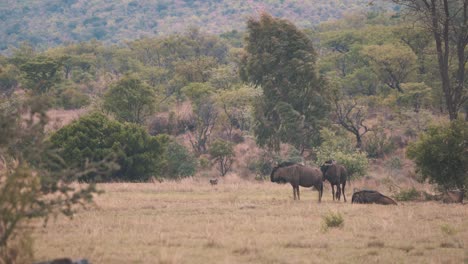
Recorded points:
(298,175)
(370,196)
(337,175)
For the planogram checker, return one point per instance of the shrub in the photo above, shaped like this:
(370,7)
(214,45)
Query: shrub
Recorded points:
(204,162)
(130,100)
(341,148)
(95,137)
(180,162)
(407,195)
(377,144)
(332,220)
(223,153)
(441,154)
(71,98)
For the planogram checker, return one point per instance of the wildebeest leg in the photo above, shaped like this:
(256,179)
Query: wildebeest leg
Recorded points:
(320,192)
(294,192)
(338,192)
(333,191)
(298,195)
(343,188)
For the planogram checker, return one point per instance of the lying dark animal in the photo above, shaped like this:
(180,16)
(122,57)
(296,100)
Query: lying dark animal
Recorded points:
(214,181)
(298,175)
(337,175)
(65,261)
(370,196)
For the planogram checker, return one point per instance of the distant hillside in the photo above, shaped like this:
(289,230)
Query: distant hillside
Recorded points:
(52,22)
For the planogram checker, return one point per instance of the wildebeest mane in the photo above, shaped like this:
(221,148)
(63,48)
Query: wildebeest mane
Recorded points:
(281,165)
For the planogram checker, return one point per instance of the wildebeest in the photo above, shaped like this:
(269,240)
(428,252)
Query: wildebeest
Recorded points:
(371,196)
(65,261)
(298,175)
(452,197)
(337,175)
(214,181)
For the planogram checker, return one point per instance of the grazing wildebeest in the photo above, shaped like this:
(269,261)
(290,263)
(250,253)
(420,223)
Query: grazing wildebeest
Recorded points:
(214,181)
(337,175)
(371,196)
(298,175)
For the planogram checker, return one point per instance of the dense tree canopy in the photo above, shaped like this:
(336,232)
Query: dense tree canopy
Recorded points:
(130,100)
(95,137)
(280,59)
(441,155)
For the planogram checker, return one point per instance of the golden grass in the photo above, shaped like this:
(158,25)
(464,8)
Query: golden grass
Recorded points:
(249,222)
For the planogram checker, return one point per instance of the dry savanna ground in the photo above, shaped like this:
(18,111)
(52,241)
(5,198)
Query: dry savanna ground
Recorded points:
(251,222)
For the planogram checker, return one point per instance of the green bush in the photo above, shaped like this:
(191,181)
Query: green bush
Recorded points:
(71,98)
(407,195)
(180,162)
(332,220)
(130,100)
(377,144)
(222,152)
(95,137)
(341,148)
(441,154)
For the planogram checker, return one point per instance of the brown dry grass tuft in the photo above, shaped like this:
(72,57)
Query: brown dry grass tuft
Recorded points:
(249,222)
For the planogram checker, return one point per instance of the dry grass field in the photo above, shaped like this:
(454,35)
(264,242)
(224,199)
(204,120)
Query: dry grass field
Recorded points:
(249,222)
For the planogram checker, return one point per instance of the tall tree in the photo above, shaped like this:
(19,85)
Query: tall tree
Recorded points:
(280,59)
(448,23)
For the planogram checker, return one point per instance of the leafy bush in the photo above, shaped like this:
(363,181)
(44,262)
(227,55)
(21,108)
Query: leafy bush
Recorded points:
(377,144)
(130,100)
(180,162)
(332,220)
(71,98)
(95,137)
(407,195)
(341,148)
(204,162)
(441,154)
(223,153)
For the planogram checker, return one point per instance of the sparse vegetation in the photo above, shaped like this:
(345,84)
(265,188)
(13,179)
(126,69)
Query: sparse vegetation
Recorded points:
(407,195)
(332,220)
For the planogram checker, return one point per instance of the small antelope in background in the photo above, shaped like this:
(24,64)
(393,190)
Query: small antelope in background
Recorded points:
(213,181)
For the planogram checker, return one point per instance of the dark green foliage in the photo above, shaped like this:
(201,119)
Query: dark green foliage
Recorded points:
(8,80)
(40,74)
(95,137)
(72,98)
(130,100)
(180,162)
(281,60)
(441,154)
